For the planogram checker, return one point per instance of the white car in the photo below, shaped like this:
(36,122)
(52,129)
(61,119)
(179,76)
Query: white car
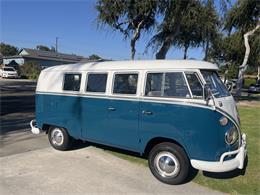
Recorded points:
(8,72)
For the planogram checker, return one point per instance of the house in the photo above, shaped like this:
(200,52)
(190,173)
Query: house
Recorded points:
(43,58)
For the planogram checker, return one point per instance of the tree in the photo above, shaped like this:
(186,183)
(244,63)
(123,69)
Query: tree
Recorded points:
(190,34)
(8,50)
(130,17)
(45,48)
(188,23)
(210,26)
(244,17)
(94,57)
(172,12)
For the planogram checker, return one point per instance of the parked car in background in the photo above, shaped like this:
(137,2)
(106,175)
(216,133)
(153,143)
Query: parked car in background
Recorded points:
(254,88)
(8,72)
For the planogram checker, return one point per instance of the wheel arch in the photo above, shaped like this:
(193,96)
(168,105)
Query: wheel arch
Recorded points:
(46,127)
(157,140)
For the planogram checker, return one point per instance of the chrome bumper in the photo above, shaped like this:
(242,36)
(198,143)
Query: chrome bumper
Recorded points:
(34,129)
(224,166)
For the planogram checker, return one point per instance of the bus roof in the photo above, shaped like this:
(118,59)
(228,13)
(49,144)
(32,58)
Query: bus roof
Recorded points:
(134,65)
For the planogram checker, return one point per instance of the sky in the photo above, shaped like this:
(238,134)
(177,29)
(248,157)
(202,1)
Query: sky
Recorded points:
(28,23)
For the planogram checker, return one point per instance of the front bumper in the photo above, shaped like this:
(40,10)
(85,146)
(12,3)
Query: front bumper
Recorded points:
(224,166)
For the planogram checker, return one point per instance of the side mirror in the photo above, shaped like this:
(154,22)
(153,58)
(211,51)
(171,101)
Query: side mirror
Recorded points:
(206,92)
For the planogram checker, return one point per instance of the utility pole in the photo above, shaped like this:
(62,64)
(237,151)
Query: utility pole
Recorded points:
(56,45)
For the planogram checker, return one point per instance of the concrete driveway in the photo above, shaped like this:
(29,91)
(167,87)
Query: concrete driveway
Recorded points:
(84,171)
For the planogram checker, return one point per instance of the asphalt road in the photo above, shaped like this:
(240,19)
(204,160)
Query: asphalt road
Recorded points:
(28,165)
(17,110)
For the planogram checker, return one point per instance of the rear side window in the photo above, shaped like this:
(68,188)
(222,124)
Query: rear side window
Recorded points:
(125,83)
(72,82)
(195,85)
(170,84)
(97,82)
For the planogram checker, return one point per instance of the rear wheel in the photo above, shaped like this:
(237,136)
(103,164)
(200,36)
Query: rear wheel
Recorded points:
(59,138)
(169,163)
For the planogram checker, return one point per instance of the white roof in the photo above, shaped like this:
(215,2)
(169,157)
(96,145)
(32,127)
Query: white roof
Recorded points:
(135,65)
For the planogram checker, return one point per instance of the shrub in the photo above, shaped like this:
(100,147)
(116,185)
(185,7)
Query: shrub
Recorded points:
(232,71)
(249,81)
(30,70)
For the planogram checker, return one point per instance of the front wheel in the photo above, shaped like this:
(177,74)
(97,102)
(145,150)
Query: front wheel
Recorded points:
(59,138)
(169,163)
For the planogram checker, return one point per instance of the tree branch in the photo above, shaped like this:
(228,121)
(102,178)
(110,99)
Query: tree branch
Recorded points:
(246,41)
(135,37)
(243,67)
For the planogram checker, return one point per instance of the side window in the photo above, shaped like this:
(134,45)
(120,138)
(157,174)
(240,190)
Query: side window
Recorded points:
(166,85)
(195,85)
(96,82)
(125,83)
(72,82)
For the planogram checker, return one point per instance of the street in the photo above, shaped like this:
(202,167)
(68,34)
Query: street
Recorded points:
(17,110)
(30,166)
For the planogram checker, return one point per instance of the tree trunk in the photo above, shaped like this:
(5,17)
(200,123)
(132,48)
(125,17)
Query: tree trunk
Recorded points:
(206,48)
(244,65)
(161,54)
(133,50)
(258,73)
(135,37)
(185,52)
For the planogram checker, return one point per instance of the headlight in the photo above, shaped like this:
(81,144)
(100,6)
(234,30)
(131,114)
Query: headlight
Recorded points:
(231,135)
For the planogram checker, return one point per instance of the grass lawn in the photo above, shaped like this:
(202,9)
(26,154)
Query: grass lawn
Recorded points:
(239,181)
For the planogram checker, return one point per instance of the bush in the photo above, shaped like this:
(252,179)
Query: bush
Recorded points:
(249,81)
(30,70)
(232,71)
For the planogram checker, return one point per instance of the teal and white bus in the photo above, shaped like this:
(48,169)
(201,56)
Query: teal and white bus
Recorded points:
(177,113)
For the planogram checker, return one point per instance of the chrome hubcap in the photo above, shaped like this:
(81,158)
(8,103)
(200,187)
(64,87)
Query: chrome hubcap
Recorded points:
(167,164)
(57,137)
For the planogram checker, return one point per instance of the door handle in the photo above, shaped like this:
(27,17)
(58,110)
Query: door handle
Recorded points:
(147,112)
(111,108)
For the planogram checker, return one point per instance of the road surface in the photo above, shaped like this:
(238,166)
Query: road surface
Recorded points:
(17,110)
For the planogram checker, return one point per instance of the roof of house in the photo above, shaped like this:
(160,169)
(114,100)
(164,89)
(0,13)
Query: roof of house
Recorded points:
(135,65)
(46,55)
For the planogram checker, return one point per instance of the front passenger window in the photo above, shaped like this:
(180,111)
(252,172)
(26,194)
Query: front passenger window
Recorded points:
(170,84)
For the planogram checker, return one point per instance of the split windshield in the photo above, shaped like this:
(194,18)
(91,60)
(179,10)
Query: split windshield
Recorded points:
(217,87)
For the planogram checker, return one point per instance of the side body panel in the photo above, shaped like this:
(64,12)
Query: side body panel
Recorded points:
(60,110)
(94,118)
(196,128)
(123,124)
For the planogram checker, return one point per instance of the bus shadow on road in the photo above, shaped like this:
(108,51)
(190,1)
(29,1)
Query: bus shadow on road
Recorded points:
(125,154)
